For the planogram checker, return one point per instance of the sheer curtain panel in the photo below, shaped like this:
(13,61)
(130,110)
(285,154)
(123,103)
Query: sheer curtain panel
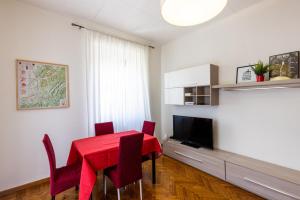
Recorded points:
(117,81)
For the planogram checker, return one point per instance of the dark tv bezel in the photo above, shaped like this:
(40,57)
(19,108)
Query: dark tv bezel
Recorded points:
(186,140)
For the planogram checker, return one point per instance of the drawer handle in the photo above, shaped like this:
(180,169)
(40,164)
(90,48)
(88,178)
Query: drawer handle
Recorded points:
(271,188)
(182,154)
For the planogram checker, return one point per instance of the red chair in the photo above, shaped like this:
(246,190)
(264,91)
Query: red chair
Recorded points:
(104,128)
(62,178)
(129,168)
(148,127)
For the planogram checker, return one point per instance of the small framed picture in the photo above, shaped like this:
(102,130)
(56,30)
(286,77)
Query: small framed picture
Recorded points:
(245,74)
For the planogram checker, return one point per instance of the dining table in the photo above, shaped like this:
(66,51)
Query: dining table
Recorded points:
(100,152)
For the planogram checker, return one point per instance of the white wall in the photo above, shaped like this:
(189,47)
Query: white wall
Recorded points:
(259,124)
(155,85)
(31,33)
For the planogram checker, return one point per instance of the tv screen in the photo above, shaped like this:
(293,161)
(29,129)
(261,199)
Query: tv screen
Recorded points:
(193,131)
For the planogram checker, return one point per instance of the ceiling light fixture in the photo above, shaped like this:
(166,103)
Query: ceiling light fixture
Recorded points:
(190,12)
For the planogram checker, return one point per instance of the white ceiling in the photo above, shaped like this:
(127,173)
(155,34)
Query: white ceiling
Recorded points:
(139,17)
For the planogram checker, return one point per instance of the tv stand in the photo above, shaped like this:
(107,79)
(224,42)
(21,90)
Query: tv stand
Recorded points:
(191,144)
(264,179)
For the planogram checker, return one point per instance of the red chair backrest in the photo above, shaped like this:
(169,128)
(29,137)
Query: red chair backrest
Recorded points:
(51,154)
(148,127)
(104,128)
(130,158)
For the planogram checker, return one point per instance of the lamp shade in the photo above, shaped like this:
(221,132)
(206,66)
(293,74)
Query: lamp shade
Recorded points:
(190,12)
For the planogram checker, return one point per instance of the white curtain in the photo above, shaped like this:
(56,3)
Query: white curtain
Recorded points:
(117,81)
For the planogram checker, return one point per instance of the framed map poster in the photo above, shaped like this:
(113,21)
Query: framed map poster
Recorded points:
(41,85)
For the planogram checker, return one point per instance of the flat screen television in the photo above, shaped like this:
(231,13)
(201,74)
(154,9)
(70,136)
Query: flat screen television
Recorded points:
(193,131)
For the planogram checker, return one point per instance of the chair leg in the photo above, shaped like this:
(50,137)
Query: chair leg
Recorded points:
(104,183)
(76,187)
(141,189)
(118,190)
(53,198)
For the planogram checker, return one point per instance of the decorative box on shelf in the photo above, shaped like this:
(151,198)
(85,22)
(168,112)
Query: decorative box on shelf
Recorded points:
(189,103)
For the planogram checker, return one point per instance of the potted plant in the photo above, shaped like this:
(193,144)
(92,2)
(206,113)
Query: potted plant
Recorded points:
(260,69)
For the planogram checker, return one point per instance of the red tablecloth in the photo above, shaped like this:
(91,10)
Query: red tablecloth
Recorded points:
(100,152)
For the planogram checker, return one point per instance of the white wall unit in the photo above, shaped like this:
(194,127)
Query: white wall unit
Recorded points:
(199,76)
(234,41)
(174,96)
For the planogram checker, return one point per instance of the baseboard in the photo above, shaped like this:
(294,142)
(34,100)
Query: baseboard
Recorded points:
(22,187)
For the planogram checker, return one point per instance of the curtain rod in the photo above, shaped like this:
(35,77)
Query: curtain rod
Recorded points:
(81,27)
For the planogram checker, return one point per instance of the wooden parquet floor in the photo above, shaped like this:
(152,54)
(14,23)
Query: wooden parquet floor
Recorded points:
(175,181)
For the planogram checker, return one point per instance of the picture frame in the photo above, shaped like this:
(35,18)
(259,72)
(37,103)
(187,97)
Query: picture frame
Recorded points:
(245,74)
(41,85)
(291,65)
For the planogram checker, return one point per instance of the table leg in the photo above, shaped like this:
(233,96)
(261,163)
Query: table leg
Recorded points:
(153,168)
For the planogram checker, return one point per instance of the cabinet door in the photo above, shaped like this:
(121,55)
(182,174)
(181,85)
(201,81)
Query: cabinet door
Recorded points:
(196,76)
(173,79)
(174,96)
(193,76)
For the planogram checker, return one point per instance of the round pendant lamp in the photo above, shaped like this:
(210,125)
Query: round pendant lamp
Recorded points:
(190,12)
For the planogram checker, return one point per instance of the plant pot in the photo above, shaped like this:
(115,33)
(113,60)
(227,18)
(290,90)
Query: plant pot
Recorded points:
(260,78)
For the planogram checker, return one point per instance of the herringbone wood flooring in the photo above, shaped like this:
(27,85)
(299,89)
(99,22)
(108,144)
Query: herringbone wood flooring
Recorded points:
(175,181)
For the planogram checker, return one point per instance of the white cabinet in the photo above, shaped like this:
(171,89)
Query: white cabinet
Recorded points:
(174,96)
(200,77)
(193,76)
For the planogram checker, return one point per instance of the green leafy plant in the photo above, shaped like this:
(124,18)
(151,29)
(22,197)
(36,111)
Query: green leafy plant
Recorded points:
(260,68)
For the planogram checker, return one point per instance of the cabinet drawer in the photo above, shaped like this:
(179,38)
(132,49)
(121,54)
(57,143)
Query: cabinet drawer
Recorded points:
(200,161)
(262,184)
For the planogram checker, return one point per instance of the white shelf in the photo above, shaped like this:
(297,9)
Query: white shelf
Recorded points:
(198,95)
(293,83)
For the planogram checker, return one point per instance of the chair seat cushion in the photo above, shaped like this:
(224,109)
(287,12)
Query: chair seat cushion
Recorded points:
(67,177)
(115,177)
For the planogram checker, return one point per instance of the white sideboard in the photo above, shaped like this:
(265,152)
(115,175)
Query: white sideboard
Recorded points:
(264,179)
